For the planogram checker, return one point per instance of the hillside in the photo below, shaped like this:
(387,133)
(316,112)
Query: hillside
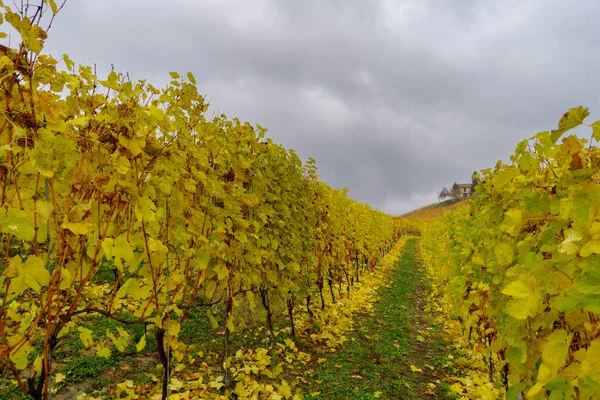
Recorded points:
(435,209)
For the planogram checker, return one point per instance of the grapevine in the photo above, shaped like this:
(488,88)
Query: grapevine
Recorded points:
(125,200)
(519,265)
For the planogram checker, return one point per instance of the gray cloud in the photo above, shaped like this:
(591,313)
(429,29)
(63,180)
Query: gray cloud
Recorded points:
(394,99)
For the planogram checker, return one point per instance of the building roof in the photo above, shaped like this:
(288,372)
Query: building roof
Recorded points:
(465,185)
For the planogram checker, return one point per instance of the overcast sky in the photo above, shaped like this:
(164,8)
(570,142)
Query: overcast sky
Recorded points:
(394,99)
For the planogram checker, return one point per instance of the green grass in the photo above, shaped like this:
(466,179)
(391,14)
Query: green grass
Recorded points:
(375,361)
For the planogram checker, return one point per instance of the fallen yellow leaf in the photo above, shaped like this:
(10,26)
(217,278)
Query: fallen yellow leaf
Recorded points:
(415,369)
(58,378)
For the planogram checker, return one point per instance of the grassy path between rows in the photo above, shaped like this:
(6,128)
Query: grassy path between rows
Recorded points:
(376,360)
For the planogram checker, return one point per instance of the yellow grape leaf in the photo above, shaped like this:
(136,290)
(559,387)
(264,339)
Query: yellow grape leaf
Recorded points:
(138,292)
(241,237)
(415,369)
(554,356)
(544,375)
(37,364)
(557,349)
(290,343)
(145,209)
(79,121)
(456,388)
(213,322)
(175,384)
(216,383)
(568,245)
(277,370)
(571,119)
(134,145)
(141,344)
(156,112)
(86,336)
(124,290)
(504,253)
(19,357)
(44,210)
(512,221)
(526,298)
(179,367)
(590,361)
(122,341)
(17,223)
(60,377)
(250,297)
(103,351)
(65,279)
(157,246)
(79,228)
(13,267)
(35,273)
(191,78)
(202,259)
(591,247)
(19,284)
(123,165)
(285,390)
(132,288)
(119,249)
(174,328)
(595,231)
(53,6)
(520,289)
(221,270)
(596,130)
(377,394)
(123,249)
(304,357)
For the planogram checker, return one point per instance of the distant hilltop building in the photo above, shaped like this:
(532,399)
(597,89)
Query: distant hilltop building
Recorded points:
(458,190)
(466,189)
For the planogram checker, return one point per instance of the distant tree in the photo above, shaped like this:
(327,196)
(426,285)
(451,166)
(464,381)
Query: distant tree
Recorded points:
(444,194)
(475,178)
(455,194)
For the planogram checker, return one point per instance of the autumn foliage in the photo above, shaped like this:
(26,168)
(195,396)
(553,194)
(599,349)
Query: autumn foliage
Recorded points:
(519,266)
(125,200)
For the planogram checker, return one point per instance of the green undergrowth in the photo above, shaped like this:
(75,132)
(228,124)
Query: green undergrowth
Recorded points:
(377,358)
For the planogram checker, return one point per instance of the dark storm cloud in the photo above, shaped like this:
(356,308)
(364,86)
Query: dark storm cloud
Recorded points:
(394,99)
